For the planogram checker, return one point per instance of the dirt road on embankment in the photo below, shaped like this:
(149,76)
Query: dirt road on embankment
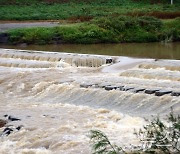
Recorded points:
(6,25)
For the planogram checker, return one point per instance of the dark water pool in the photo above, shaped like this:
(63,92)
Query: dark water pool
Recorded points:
(144,50)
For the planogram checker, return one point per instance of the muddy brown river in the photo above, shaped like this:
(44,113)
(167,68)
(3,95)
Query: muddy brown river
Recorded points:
(143,50)
(59,97)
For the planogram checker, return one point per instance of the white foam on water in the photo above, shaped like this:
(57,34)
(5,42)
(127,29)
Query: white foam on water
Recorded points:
(57,113)
(124,63)
(63,128)
(78,60)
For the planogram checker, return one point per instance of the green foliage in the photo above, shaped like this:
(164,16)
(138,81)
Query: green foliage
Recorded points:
(101,143)
(169,35)
(65,9)
(173,23)
(159,136)
(140,35)
(117,24)
(102,30)
(170,31)
(85,33)
(122,23)
(31,35)
(132,29)
(26,2)
(157,1)
(156,137)
(149,23)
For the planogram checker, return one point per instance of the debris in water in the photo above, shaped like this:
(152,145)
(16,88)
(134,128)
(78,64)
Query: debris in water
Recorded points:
(11,118)
(3,123)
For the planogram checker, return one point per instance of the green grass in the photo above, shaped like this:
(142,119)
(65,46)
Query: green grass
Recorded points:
(102,30)
(77,33)
(97,8)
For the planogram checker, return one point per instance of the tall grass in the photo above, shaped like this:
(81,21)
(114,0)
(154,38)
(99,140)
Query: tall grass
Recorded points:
(102,30)
(31,10)
(84,34)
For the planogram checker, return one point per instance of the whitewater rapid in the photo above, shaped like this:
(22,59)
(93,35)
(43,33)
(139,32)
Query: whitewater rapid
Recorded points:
(59,97)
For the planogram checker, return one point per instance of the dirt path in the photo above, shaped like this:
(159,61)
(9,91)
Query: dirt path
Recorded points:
(11,25)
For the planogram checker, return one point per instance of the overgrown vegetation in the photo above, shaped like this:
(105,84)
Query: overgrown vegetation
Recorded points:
(156,137)
(27,2)
(159,136)
(102,30)
(85,9)
(99,21)
(101,143)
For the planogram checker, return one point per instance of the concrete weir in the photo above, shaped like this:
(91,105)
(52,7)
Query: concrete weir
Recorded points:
(123,84)
(110,87)
(50,100)
(30,58)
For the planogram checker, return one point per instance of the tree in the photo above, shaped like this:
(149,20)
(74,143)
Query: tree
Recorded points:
(171,2)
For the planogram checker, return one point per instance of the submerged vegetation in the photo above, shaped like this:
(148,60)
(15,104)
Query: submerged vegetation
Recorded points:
(102,30)
(156,137)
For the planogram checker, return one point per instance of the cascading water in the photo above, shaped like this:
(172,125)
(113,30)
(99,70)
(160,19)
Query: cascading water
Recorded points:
(59,97)
(26,57)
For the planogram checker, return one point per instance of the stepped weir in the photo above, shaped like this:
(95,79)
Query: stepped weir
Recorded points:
(58,97)
(35,59)
(136,86)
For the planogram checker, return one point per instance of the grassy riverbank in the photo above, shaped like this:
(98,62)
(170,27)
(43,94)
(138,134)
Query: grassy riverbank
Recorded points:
(102,30)
(96,21)
(84,10)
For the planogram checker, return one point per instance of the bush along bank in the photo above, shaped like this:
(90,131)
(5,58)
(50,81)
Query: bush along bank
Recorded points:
(101,30)
(159,136)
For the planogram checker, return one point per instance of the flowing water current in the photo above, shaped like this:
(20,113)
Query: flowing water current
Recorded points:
(143,50)
(59,97)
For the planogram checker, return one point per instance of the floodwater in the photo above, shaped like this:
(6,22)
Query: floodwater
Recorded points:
(142,50)
(60,97)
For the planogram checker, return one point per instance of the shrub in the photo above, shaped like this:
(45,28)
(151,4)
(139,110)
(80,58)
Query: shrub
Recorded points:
(173,23)
(86,33)
(170,31)
(102,30)
(39,35)
(140,35)
(131,29)
(149,23)
(117,24)
(31,35)
(156,137)
(122,23)
(101,143)
(169,35)
(162,137)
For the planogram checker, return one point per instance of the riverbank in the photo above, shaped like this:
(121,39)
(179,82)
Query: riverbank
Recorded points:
(121,29)
(99,21)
